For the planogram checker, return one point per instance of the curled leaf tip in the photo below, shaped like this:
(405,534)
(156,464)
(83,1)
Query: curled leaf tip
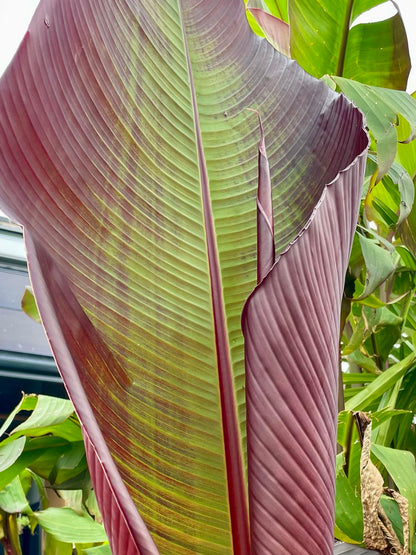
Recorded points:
(265,227)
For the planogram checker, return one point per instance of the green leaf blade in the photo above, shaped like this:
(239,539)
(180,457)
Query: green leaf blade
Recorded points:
(48,412)
(381,107)
(379,265)
(67,526)
(401,467)
(383,383)
(324,40)
(348,510)
(10,452)
(378,54)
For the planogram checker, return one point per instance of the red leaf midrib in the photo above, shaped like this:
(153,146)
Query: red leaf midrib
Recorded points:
(237,497)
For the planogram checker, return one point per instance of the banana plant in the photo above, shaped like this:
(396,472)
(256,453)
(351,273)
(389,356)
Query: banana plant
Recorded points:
(189,197)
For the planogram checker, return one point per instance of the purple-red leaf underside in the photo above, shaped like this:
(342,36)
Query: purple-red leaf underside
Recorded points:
(291,329)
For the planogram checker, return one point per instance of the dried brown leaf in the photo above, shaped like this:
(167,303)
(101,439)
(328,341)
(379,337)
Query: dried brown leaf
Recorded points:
(378,531)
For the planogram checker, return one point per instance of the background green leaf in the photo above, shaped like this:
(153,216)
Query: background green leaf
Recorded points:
(13,497)
(324,41)
(384,382)
(401,467)
(66,525)
(381,108)
(10,452)
(29,305)
(348,510)
(380,264)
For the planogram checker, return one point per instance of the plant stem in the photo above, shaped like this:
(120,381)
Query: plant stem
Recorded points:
(344,39)
(11,541)
(406,307)
(347,443)
(375,353)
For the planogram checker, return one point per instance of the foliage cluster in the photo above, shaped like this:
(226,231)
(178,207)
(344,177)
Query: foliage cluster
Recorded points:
(370,64)
(42,462)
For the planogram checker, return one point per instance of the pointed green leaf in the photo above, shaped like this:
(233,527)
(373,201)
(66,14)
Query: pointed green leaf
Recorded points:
(358,378)
(359,332)
(13,498)
(383,383)
(29,305)
(393,514)
(348,510)
(381,108)
(395,190)
(49,412)
(28,402)
(365,362)
(50,415)
(10,452)
(66,525)
(379,265)
(406,152)
(406,257)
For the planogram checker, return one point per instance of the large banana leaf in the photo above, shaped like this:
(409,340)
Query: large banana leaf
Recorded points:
(325,39)
(129,155)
